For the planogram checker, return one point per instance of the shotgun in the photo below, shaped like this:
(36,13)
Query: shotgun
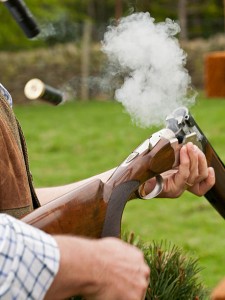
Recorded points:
(95,208)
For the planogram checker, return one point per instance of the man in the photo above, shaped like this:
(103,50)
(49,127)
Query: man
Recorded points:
(35,265)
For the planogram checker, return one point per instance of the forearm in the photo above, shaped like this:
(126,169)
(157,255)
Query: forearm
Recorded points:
(98,270)
(77,274)
(39,266)
(48,194)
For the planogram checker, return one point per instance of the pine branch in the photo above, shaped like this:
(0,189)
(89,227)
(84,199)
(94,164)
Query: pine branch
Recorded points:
(174,275)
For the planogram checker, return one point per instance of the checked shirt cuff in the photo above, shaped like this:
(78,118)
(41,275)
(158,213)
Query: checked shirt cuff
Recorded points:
(29,260)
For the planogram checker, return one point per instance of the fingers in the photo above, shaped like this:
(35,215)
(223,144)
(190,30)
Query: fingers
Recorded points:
(174,180)
(193,153)
(122,272)
(205,185)
(192,174)
(201,178)
(183,171)
(203,170)
(198,169)
(198,164)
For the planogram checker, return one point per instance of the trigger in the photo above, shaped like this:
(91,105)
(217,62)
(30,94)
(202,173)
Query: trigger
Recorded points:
(157,189)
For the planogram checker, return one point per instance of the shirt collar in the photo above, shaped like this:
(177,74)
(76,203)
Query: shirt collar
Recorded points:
(6,94)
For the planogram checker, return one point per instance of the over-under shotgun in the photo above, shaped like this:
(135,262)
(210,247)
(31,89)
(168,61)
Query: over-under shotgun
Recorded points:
(95,208)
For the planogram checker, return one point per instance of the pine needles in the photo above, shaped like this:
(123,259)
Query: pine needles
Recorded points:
(174,275)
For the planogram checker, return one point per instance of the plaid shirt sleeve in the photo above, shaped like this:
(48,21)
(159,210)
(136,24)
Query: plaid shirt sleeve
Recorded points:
(29,260)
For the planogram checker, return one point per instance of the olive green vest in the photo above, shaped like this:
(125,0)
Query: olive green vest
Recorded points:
(17,194)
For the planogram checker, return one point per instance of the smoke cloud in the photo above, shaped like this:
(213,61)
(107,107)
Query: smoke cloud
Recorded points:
(156,81)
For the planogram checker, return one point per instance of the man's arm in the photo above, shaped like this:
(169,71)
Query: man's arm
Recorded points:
(29,260)
(48,194)
(36,265)
(99,269)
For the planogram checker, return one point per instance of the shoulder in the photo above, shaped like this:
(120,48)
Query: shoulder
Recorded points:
(6,94)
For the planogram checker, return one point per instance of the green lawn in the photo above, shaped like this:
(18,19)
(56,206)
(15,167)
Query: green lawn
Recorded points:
(77,140)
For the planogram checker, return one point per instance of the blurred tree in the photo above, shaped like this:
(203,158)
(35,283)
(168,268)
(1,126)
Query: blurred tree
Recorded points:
(182,16)
(118,9)
(205,18)
(224,14)
(86,50)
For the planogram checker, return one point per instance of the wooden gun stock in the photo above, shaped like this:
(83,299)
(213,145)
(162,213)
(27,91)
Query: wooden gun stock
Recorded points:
(95,209)
(79,212)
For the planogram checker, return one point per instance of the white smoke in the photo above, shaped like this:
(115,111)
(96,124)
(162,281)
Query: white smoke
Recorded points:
(157,81)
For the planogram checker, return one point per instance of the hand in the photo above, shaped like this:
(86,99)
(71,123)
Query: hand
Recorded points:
(104,269)
(219,291)
(192,174)
(121,271)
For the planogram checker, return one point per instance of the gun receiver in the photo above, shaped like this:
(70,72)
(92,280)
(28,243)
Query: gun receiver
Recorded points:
(95,209)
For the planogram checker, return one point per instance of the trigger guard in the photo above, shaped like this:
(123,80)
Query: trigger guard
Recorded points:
(155,192)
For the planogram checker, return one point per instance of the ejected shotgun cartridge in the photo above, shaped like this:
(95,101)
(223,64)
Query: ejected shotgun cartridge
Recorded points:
(23,17)
(36,89)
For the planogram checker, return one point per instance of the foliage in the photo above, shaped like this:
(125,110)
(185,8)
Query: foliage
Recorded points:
(205,18)
(174,275)
(61,21)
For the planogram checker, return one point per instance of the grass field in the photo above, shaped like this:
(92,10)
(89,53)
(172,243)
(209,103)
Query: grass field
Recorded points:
(74,141)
